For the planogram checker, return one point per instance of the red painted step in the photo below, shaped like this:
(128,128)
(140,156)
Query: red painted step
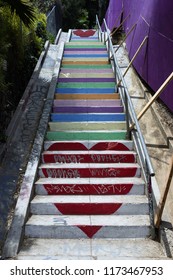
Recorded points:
(123,145)
(95,170)
(90,186)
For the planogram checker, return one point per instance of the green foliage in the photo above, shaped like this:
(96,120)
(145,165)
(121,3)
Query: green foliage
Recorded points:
(82,13)
(74,14)
(20,48)
(43,6)
(21,8)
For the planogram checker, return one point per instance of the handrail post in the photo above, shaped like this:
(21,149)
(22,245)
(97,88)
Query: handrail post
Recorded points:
(155,96)
(150,200)
(161,205)
(112,33)
(135,55)
(119,17)
(126,37)
(127,113)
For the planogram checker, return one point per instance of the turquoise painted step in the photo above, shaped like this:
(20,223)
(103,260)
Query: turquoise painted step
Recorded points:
(55,117)
(85,135)
(85,85)
(86,90)
(86,46)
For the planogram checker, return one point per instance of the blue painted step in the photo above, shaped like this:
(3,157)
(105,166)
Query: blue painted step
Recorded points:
(85,90)
(87,117)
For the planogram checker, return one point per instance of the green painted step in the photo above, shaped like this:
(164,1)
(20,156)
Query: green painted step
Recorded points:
(86,46)
(80,126)
(86,85)
(85,135)
(85,75)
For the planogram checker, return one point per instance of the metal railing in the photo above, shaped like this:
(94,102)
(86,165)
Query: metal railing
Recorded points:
(131,118)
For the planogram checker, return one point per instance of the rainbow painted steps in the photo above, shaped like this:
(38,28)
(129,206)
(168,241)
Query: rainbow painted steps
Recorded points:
(89,180)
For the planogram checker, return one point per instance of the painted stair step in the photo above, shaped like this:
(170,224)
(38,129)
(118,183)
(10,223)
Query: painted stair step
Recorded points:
(84,43)
(115,117)
(81,38)
(89,103)
(85,62)
(107,70)
(84,170)
(95,226)
(85,59)
(93,74)
(89,205)
(120,145)
(82,109)
(85,80)
(85,48)
(85,85)
(85,135)
(90,186)
(88,157)
(76,39)
(84,90)
(87,66)
(81,96)
(71,51)
(83,126)
(84,55)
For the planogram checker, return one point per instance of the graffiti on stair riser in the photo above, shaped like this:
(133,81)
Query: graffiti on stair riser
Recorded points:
(88,189)
(95,158)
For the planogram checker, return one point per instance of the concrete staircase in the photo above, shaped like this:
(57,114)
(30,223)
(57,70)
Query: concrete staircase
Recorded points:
(89,182)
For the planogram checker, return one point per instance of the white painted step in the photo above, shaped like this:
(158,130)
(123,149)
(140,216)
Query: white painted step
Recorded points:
(89,205)
(82,186)
(90,249)
(95,226)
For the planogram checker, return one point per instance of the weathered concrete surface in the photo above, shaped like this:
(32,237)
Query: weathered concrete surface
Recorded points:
(157,128)
(15,159)
(90,249)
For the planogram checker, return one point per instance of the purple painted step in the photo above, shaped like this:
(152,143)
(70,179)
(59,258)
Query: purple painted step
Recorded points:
(73,70)
(72,109)
(86,80)
(88,102)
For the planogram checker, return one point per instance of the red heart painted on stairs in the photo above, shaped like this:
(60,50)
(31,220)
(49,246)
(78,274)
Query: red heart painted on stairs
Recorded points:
(84,33)
(88,209)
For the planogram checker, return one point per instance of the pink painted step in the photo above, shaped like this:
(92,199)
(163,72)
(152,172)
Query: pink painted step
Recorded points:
(83,170)
(88,157)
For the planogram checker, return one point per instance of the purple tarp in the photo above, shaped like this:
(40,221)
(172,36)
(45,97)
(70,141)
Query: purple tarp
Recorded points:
(154,19)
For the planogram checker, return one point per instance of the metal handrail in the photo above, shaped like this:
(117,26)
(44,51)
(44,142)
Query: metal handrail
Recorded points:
(127,95)
(136,133)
